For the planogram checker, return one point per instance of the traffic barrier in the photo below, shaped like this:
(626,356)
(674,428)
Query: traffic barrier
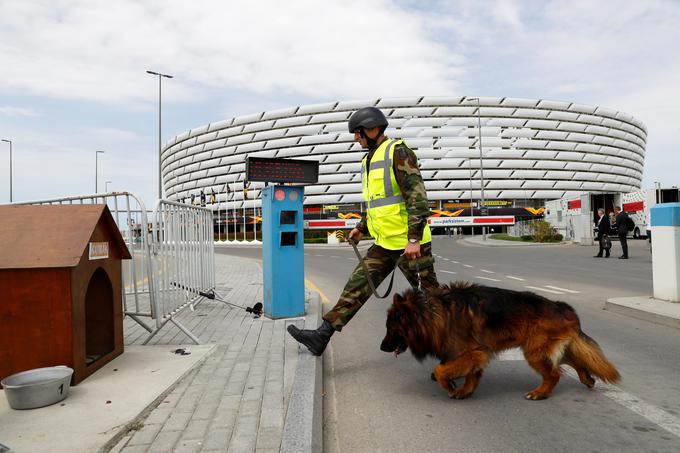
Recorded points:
(184,268)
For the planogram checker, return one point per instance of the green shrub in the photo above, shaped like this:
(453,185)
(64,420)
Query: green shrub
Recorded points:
(316,240)
(542,231)
(504,237)
(527,237)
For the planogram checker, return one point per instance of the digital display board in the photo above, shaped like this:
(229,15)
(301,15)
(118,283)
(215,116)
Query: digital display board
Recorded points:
(262,169)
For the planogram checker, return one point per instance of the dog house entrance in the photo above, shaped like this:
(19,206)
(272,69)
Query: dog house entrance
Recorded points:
(99,332)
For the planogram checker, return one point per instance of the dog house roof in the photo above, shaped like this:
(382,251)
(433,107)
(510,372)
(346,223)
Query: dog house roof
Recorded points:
(48,236)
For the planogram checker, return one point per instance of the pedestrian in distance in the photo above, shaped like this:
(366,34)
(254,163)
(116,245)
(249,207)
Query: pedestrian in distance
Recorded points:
(623,226)
(396,217)
(603,230)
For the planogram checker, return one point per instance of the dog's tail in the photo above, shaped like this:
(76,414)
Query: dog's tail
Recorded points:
(587,354)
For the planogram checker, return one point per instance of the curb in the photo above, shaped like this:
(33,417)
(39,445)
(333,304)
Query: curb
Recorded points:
(303,425)
(125,429)
(646,309)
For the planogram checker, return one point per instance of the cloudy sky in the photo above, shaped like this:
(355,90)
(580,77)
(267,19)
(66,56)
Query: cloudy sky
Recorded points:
(73,80)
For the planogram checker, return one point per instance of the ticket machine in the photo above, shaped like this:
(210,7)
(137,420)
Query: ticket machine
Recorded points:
(283,251)
(282,231)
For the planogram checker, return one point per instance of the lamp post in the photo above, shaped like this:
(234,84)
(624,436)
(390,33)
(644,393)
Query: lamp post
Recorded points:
(472,209)
(160,77)
(482,207)
(10,167)
(106,186)
(96,170)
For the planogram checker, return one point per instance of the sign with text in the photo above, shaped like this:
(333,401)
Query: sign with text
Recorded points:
(297,171)
(98,250)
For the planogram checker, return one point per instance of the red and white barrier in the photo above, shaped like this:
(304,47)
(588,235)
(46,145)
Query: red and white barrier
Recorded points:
(327,224)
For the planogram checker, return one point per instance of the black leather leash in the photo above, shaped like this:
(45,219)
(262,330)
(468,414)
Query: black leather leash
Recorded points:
(368,275)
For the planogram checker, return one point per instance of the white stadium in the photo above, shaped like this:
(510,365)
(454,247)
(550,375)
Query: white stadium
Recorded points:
(533,150)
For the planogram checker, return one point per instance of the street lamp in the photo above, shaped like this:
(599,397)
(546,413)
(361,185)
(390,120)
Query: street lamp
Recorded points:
(10,167)
(472,209)
(160,76)
(482,207)
(106,186)
(96,170)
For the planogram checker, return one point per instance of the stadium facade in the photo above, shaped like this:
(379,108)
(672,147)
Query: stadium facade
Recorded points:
(533,150)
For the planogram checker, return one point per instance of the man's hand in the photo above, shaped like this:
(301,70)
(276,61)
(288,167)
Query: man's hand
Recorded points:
(356,235)
(412,250)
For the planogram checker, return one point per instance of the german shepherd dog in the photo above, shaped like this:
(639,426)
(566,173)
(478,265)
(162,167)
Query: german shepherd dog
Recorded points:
(465,325)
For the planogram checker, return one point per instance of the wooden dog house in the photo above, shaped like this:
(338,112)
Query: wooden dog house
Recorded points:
(60,288)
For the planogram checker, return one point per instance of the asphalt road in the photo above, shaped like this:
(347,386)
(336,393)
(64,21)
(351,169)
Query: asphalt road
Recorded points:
(375,402)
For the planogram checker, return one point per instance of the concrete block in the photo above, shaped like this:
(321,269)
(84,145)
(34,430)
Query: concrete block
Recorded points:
(647,308)
(269,438)
(217,439)
(250,409)
(158,415)
(303,429)
(195,430)
(146,434)
(135,449)
(164,442)
(206,409)
(189,446)
(177,421)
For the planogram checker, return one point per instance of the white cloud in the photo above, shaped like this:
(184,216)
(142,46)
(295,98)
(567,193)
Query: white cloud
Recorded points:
(98,50)
(9,110)
(236,58)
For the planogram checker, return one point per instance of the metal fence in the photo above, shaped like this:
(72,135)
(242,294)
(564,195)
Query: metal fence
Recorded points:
(522,228)
(185,259)
(173,259)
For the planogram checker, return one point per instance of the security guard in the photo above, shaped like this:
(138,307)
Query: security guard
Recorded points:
(396,217)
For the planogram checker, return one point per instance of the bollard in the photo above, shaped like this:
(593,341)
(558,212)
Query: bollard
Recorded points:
(666,251)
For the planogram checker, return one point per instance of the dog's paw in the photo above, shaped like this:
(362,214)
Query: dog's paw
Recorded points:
(535,396)
(459,394)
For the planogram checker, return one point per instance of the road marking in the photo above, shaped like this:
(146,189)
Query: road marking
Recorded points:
(536,288)
(445,259)
(488,278)
(510,354)
(454,261)
(467,265)
(334,256)
(488,272)
(654,414)
(313,287)
(557,288)
(321,256)
(516,278)
(448,272)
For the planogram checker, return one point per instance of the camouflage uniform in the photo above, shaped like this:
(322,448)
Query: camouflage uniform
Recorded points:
(380,261)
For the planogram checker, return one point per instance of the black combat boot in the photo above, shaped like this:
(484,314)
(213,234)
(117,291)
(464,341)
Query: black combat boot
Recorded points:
(315,340)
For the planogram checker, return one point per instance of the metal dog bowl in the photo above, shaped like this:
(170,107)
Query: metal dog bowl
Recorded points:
(38,387)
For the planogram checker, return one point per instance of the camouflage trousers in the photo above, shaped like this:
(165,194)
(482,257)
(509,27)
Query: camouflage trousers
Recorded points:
(380,262)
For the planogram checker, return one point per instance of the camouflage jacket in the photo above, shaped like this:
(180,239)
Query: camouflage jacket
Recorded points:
(412,188)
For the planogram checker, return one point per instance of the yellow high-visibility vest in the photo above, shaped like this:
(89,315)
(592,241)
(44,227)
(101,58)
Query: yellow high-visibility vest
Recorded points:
(386,212)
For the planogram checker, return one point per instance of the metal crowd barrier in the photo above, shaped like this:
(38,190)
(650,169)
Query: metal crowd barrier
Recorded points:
(173,258)
(185,265)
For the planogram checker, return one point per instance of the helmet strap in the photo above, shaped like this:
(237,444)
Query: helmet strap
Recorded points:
(371,142)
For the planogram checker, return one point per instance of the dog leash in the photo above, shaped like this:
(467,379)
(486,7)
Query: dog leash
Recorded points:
(368,275)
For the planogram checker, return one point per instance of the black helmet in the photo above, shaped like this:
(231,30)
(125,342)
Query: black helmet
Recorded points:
(367,117)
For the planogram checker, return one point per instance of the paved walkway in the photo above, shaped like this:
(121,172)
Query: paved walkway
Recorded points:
(236,400)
